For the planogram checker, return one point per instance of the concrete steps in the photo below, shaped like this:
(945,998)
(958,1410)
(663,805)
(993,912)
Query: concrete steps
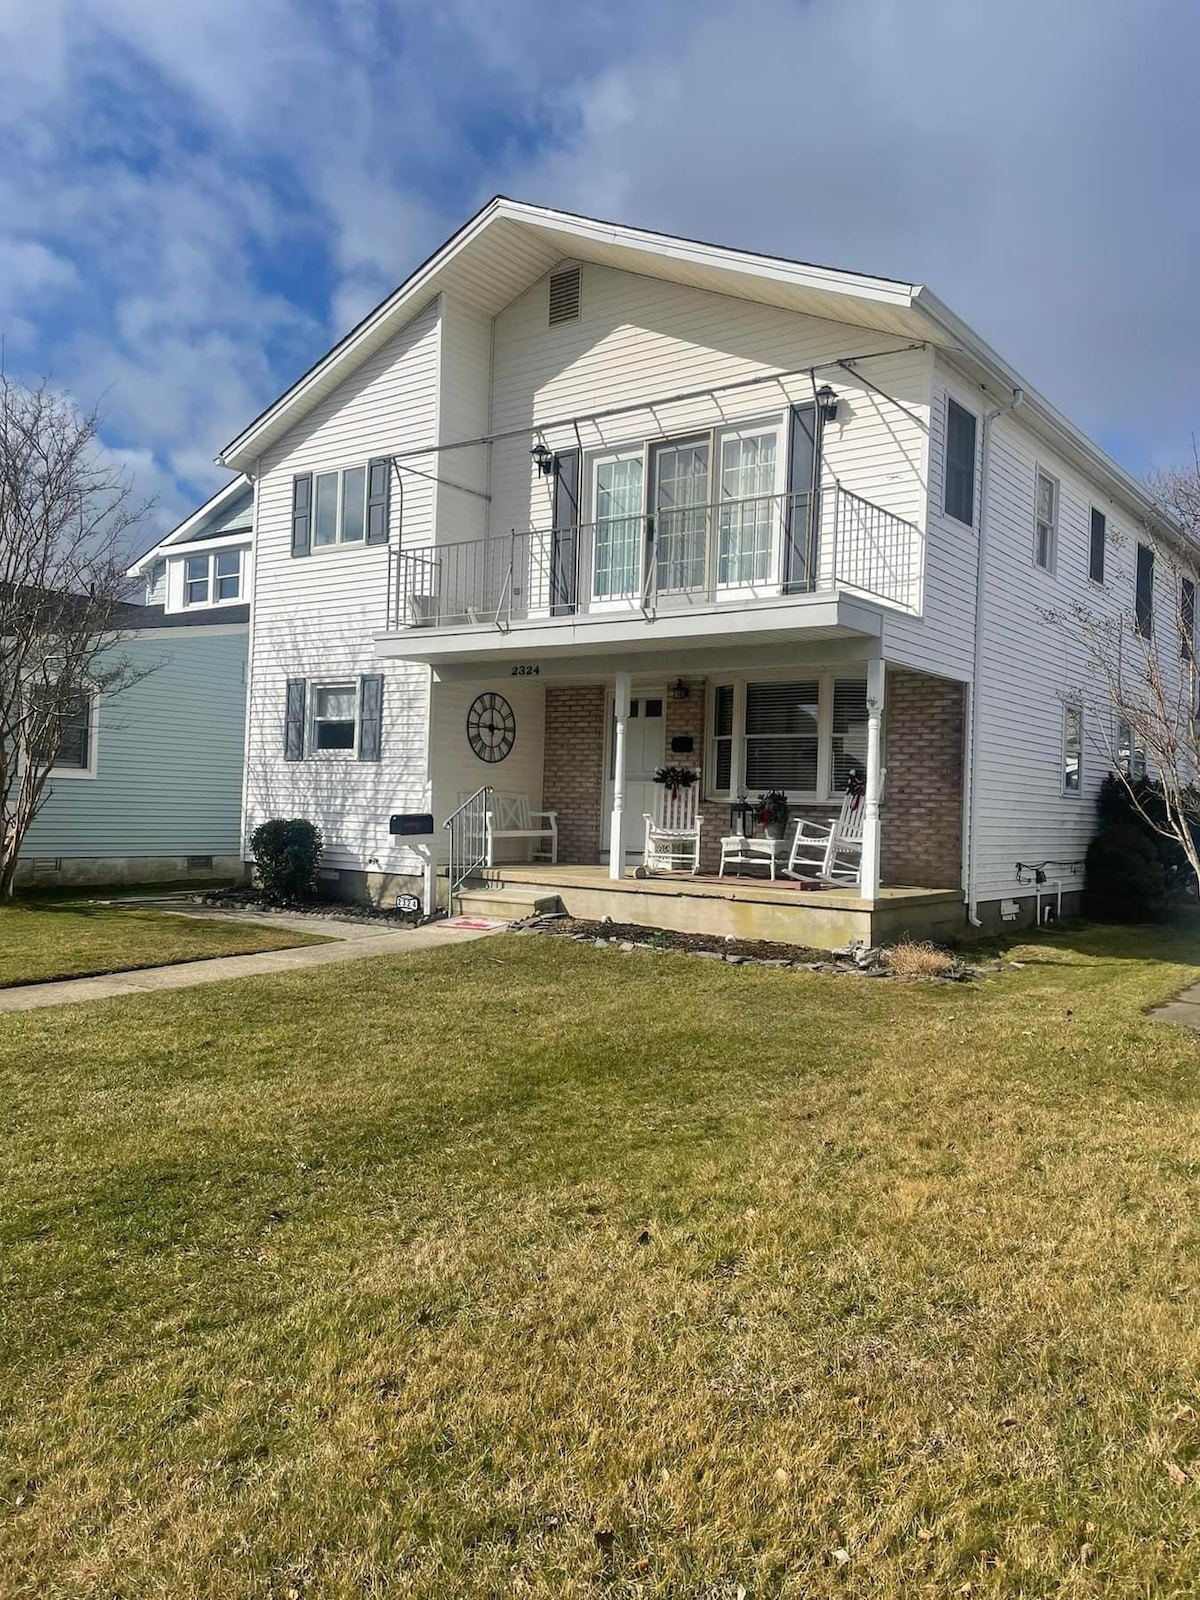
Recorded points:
(511,901)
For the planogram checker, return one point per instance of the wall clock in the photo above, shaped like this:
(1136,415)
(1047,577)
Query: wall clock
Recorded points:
(491,727)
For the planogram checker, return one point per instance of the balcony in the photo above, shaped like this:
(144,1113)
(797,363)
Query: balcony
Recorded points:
(703,558)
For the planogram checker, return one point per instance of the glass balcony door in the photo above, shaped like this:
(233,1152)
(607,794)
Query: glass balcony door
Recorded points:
(679,500)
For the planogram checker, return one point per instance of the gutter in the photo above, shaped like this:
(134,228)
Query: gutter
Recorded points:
(969,796)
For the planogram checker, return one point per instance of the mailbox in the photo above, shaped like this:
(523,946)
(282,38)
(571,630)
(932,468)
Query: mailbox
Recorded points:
(410,823)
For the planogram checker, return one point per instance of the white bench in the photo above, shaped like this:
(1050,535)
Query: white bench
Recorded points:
(509,817)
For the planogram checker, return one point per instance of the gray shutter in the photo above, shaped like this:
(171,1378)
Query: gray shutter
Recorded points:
(564,551)
(370,716)
(379,484)
(302,514)
(293,720)
(801,555)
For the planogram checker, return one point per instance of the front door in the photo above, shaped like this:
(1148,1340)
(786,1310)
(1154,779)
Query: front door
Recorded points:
(645,753)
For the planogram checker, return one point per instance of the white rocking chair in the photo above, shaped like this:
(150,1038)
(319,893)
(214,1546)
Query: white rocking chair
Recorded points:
(830,852)
(673,836)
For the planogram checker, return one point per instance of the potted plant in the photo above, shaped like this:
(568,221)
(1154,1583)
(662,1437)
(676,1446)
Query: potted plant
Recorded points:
(773,813)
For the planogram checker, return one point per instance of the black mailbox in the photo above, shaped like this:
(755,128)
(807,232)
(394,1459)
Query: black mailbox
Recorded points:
(409,823)
(682,744)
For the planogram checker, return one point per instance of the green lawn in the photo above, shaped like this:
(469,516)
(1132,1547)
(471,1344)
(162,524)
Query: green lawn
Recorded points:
(69,939)
(520,1268)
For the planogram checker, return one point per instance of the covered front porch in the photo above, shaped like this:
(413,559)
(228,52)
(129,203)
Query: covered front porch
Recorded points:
(584,739)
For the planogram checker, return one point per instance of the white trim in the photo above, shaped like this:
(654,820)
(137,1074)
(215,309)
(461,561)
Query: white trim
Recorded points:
(80,774)
(1072,708)
(312,752)
(825,678)
(338,542)
(1039,472)
(178,535)
(212,601)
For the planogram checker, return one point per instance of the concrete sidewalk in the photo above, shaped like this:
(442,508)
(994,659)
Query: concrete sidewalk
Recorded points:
(350,941)
(1184,1009)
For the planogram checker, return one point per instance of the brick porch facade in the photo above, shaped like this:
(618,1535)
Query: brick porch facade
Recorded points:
(922,809)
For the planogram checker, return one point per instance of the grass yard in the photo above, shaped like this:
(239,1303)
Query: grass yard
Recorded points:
(519,1268)
(49,939)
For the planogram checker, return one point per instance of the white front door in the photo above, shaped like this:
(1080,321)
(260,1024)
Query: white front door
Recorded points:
(645,753)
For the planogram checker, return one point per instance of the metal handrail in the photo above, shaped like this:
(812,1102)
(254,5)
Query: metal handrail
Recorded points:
(467,825)
(730,549)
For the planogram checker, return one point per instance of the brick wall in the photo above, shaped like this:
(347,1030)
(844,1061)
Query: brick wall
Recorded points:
(922,808)
(574,767)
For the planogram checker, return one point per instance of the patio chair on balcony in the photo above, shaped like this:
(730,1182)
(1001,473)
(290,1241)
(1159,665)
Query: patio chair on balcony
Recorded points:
(673,833)
(831,852)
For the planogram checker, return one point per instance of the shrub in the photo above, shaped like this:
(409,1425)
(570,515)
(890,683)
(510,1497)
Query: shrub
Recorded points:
(913,958)
(1116,809)
(287,852)
(1125,878)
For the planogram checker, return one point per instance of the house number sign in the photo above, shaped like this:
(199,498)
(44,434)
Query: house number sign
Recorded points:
(526,669)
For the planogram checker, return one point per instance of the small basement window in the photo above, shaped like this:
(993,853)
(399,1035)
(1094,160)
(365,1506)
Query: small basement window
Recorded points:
(564,296)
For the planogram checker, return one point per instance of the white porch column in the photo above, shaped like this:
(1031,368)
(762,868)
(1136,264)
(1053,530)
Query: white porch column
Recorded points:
(616,838)
(870,848)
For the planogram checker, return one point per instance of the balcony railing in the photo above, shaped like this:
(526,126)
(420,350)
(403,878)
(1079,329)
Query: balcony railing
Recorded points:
(730,552)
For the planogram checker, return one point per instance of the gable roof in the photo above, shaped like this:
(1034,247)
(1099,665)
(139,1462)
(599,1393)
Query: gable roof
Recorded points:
(230,510)
(509,244)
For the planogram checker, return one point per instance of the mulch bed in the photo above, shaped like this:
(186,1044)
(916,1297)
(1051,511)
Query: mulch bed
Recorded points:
(692,943)
(343,910)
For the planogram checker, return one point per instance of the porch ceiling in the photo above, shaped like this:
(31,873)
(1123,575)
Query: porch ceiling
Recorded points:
(569,644)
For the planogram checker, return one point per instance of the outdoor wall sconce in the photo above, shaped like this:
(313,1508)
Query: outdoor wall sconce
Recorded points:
(681,690)
(543,459)
(827,402)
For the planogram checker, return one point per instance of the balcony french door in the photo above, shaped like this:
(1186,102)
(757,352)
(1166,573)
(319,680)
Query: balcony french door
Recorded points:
(679,506)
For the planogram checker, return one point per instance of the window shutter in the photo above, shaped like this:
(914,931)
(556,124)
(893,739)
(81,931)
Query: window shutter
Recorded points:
(565,536)
(379,499)
(293,721)
(302,514)
(370,716)
(1144,594)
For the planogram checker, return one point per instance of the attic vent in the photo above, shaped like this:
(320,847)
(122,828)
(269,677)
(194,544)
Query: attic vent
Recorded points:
(564,296)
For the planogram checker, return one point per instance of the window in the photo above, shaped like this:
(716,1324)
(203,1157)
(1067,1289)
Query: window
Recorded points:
(212,579)
(70,736)
(782,721)
(1045,537)
(746,515)
(1072,748)
(1131,758)
(617,499)
(1187,619)
(804,737)
(341,507)
(334,716)
(960,463)
(1096,548)
(1143,604)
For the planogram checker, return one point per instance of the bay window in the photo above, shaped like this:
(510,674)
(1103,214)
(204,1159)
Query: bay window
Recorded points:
(803,735)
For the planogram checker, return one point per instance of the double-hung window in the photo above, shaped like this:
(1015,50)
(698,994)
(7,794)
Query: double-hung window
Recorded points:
(334,716)
(340,507)
(804,736)
(1130,756)
(1072,763)
(1187,619)
(214,578)
(960,463)
(65,731)
(1045,536)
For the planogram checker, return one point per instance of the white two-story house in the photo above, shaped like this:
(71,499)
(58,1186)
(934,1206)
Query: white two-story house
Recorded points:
(578,490)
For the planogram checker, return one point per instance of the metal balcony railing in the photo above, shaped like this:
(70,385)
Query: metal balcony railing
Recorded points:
(704,555)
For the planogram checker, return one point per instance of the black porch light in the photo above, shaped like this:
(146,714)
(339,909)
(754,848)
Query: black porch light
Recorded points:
(543,459)
(680,690)
(827,402)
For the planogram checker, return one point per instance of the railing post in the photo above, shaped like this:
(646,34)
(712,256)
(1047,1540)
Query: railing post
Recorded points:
(871,824)
(616,847)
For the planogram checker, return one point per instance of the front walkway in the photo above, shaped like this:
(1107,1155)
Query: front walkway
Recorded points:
(1184,1009)
(349,941)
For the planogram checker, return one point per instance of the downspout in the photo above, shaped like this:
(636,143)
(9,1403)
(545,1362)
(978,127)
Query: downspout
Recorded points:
(976,669)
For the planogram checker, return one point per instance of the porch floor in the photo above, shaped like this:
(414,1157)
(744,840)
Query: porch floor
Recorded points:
(747,907)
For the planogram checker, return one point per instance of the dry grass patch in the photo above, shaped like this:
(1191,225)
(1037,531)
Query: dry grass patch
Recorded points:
(913,958)
(507,1269)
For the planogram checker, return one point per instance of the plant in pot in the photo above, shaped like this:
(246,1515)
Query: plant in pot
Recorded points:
(772,813)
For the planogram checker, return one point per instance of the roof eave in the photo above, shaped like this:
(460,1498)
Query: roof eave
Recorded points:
(227,491)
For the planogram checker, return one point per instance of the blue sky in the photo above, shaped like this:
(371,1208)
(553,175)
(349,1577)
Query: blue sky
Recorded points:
(196,201)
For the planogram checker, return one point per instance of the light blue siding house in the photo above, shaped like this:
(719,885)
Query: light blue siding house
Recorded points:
(148,784)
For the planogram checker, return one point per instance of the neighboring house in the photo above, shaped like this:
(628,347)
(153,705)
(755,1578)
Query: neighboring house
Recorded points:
(148,783)
(768,518)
